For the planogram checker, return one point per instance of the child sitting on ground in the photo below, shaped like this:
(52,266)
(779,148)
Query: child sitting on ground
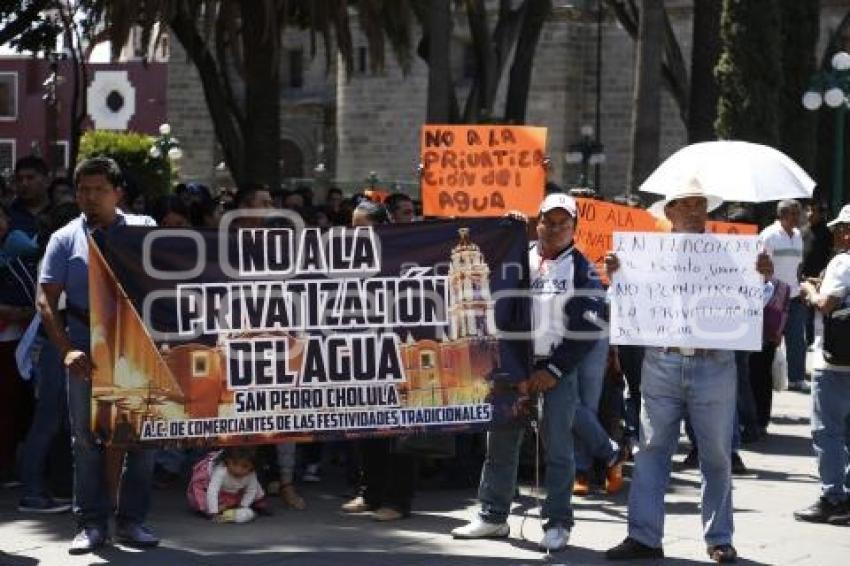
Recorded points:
(225,488)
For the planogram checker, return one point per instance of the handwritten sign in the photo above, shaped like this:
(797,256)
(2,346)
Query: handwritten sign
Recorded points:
(482,170)
(686,290)
(598,220)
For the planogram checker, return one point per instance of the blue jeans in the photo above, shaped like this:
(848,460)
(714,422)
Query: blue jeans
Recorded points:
(50,416)
(498,476)
(831,431)
(92,505)
(795,341)
(591,439)
(703,387)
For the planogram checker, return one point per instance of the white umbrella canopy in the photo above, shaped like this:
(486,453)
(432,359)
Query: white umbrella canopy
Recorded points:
(733,170)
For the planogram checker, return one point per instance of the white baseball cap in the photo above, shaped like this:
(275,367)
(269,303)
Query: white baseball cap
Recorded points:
(842,218)
(559,200)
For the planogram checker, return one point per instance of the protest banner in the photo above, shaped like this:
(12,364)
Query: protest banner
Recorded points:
(598,220)
(482,170)
(269,334)
(686,290)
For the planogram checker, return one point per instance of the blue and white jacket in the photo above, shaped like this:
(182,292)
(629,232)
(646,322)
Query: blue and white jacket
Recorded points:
(569,308)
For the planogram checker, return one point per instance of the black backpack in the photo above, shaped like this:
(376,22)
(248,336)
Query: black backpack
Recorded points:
(836,336)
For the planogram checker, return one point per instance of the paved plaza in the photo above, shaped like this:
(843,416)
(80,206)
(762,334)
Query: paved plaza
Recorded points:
(782,480)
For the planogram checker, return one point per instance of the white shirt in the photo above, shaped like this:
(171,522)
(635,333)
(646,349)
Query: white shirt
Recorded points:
(836,283)
(550,278)
(221,480)
(786,252)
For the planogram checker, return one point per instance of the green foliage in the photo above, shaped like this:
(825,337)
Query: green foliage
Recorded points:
(28,25)
(147,175)
(749,72)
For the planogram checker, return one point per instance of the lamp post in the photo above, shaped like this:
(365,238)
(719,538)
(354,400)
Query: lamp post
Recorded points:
(832,87)
(51,99)
(588,151)
(167,147)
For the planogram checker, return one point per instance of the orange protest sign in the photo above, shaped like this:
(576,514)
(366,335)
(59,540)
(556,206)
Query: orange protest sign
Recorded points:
(733,228)
(598,220)
(482,170)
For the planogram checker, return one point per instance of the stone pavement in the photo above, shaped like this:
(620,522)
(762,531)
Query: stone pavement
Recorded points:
(783,479)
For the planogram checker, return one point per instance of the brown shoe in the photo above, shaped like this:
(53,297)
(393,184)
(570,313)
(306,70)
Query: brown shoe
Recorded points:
(581,485)
(614,478)
(291,498)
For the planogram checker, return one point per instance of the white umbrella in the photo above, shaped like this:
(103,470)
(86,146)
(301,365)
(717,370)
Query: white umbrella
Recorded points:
(734,171)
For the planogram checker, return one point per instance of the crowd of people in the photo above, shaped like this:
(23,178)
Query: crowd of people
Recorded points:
(599,405)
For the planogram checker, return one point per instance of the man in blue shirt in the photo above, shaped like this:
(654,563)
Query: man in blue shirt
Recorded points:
(65,269)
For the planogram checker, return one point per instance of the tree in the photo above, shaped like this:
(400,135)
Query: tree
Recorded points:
(674,72)
(236,47)
(516,31)
(704,55)
(800,23)
(25,25)
(749,72)
(646,110)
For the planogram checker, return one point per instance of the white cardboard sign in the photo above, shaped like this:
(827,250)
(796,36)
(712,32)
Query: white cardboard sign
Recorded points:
(687,291)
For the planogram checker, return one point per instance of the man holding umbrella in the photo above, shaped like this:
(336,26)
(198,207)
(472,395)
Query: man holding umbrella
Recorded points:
(676,382)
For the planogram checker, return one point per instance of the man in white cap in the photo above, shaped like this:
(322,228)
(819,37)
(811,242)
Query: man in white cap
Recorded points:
(678,382)
(831,381)
(564,332)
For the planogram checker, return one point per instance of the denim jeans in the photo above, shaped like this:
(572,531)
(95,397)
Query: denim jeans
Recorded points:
(831,431)
(92,505)
(498,475)
(591,439)
(49,418)
(795,341)
(703,387)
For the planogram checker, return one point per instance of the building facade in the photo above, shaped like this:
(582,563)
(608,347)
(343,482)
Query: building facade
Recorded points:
(370,122)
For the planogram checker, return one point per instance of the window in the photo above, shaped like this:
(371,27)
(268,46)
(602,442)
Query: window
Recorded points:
(8,96)
(7,155)
(296,68)
(59,155)
(426,360)
(200,364)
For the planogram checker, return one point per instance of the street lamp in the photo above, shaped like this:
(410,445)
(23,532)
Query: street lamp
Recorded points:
(166,145)
(832,87)
(588,151)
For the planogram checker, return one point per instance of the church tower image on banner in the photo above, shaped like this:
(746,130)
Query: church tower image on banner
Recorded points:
(454,369)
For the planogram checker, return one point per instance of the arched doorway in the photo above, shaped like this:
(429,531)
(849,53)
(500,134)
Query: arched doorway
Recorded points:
(291,159)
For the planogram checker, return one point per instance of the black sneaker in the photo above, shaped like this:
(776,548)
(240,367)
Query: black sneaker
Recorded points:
(724,553)
(630,549)
(738,466)
(45,505)
(824,511)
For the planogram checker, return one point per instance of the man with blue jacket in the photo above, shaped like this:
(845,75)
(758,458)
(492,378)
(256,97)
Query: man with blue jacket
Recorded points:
(565,329)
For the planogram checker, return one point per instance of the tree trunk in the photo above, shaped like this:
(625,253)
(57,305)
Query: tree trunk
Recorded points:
(646,111)
(800,22)
(706,52)
(440,85)
(261,47)
(226,127)
(520,79)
